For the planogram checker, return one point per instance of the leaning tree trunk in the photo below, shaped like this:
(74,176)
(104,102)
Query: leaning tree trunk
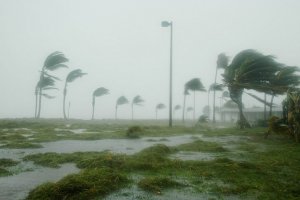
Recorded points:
(236,96)
(183,110)
(116,113)
(64,101)
(132,111)
(271,106)
(40,94)
(36,102)
(39,103)
(93,107)
(194,107)
(214,102)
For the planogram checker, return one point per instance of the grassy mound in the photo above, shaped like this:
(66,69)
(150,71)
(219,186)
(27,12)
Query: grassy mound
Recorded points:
(157,184)
(88,184)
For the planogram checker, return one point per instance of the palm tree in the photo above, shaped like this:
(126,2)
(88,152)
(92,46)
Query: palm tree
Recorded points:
(189,109)
(282,81)
(185,93)
(195,85)
(121,101)
(222,63)
(215,87)
(54,61)
(177,107)
(72,76)
(249,70)
(97,93)
(159,106)
(137,100)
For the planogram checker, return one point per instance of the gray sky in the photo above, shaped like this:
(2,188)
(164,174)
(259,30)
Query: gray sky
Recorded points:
(122,47)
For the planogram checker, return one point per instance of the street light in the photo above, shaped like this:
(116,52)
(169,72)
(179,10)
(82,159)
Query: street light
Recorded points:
(170,24)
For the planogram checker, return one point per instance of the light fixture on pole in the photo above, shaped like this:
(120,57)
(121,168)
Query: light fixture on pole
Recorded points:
(170,24)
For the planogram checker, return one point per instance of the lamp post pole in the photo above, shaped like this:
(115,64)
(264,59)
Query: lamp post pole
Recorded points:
(170,24)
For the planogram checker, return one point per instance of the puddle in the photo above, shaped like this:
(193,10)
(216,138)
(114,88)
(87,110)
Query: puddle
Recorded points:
(17,187)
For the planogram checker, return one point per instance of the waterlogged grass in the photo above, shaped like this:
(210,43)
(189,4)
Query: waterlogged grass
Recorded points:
(88,184)
(271,174)
(21,145)
(201,146)
(269,169)
(157,183)
(4,163)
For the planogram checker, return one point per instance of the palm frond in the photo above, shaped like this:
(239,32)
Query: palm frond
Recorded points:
(55,60)
(222,61)
(177,107)
(160,106)
(48,96)
(195,85)
(51,76)
(100,91)
(46,82)
(260,99)
(189,109)
(73,75)
(216,87)
(137,100)
(122,100)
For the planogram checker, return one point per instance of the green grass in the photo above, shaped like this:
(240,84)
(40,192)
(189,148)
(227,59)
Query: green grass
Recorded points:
(5,162)
(88,184)
(157,183)
(201,146)
(266,169)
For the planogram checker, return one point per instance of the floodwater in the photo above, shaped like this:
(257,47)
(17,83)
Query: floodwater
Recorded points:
(127,146)
(17,187)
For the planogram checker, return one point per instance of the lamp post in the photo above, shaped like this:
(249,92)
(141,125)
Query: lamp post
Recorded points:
(170,24)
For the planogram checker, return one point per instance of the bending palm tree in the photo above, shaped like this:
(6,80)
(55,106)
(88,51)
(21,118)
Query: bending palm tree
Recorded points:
(121,101)
(222,63)
(177,107)
(195,85)
(189,109)
(97,93)
(137,100)
(186,92)
(249,70)
(159,106)
(215,87)
(72,76)
(54,61)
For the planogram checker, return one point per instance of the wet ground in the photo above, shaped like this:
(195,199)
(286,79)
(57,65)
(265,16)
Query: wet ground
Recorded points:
(27,176)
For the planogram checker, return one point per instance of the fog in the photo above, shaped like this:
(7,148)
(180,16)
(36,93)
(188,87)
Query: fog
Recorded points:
(122,47)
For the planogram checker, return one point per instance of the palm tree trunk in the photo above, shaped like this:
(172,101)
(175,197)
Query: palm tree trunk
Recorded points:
(116,113)
(183,109)
(93,104)
(40,94)
(39,103)
(64,101)
(36,102)
(132,111)
(265,107)
(208,104)
(194,107)
(271,107)
(214,102)
(243,121)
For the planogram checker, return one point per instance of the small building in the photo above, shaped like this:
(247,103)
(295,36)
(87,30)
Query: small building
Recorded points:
(252,114)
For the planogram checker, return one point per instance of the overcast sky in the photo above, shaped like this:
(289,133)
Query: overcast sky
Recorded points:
(122,47)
